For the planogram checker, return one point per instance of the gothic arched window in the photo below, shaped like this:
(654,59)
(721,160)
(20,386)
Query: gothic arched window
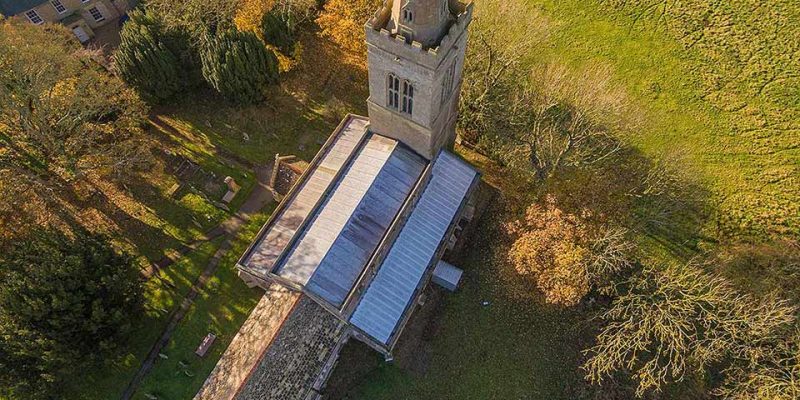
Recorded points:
(408,98)
(397,99)
(393,91)
(408,15)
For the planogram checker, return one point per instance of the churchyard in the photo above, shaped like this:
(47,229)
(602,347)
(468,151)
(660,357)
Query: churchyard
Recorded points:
(732,131)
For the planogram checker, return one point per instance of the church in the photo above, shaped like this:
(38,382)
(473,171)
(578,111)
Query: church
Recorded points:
(351,248)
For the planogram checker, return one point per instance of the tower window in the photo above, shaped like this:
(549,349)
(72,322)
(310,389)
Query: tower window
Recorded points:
(393,86)
(447,86)
(408,98)
(408,15)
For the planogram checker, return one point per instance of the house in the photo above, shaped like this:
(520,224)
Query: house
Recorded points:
(350,249)
(82,17)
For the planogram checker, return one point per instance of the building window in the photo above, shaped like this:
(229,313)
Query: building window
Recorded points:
(447,86)
(34,17)
(96,14)
(394,92)
(408,98)
(408,15)
(58,6)
(398,100)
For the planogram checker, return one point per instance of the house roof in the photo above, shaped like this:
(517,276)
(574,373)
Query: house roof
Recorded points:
(254,338)
(14,7)
(276,236)
(417,247)
(290,367)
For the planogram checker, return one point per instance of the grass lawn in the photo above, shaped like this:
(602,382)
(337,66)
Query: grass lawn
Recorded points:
(162,296)
(221,308)
(712,84)
(731,129)
(226,141)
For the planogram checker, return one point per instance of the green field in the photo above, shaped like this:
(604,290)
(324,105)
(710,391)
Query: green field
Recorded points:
(715,83)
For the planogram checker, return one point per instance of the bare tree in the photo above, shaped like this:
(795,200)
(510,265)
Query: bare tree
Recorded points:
(571,119)
(675,320)
(495,66)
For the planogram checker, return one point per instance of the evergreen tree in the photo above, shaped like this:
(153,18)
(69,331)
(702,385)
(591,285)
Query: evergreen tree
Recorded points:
(154,60)
(62,302)
(239,66)
(277,29)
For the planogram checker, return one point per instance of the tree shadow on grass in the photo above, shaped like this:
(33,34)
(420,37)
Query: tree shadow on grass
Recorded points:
(658,198)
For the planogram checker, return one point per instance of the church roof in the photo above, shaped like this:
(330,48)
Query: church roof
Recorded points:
(415,250)
(368,213)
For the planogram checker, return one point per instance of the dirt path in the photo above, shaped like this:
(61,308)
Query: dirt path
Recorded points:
(259,198)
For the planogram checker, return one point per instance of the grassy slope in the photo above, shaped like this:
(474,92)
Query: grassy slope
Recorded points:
(518,349)
(740,139)
(221,308)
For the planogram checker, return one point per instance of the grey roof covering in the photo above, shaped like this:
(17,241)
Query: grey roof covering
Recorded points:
(334,249)
(14,7)
(277,235)
(447,275)
(389,294)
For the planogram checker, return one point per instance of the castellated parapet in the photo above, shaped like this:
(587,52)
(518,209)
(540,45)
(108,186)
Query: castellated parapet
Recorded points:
(378,35)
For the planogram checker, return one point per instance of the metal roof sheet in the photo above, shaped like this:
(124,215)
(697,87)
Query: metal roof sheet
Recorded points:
(336,245)
(275,238)
(389,294)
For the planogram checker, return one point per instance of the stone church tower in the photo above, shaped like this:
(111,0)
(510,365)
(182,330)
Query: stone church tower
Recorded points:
(416,54)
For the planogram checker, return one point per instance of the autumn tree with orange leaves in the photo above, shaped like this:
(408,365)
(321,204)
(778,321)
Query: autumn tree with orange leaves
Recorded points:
(564,254)
(343,22)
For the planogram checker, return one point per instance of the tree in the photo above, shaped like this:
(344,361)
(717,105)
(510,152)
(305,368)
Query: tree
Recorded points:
(62,115)
(151,59)
(343,21)
(565,119)
(771,373)
(197,17)
(63,301)
(677,320)
(493,69)
(277,30)
(565,255)
(238,66)
(251,13)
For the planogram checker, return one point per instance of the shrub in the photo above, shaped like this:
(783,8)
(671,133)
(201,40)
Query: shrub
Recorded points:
(277,31)
(239,66)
